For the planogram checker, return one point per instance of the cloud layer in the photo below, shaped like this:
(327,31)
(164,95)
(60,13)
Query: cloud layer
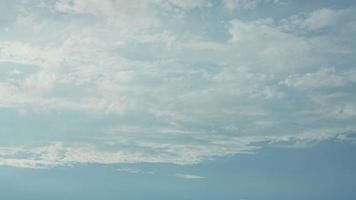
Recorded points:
(171,81)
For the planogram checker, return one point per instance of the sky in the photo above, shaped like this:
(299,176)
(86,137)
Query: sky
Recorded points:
(177,99)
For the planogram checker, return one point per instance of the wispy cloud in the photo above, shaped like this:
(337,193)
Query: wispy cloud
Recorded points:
(134,170)
(189,176)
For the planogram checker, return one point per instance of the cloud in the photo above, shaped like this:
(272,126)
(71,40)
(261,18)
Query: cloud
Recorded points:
(328,88)
(120,82)
(264,43)
(138,14)
(28,54)
(247,4)
(133,170)
(189,176)
(159,149)
(323,78)
(322,18)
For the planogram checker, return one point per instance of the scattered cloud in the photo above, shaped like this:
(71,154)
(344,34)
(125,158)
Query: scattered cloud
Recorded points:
(134,88)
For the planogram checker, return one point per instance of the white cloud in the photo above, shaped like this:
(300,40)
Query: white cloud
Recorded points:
(41,81)
(158,93)
(264,43)
(325,18)
(25,53)
(247,4)
(328,89)
(157,148)
(25,21)
(130,14)
(189,176)
(325,77)
(133,170)
(184,5)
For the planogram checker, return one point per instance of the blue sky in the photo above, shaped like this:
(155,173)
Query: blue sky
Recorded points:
(177,99)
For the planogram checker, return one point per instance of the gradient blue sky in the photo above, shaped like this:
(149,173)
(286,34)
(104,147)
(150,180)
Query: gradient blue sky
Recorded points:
(177,99)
